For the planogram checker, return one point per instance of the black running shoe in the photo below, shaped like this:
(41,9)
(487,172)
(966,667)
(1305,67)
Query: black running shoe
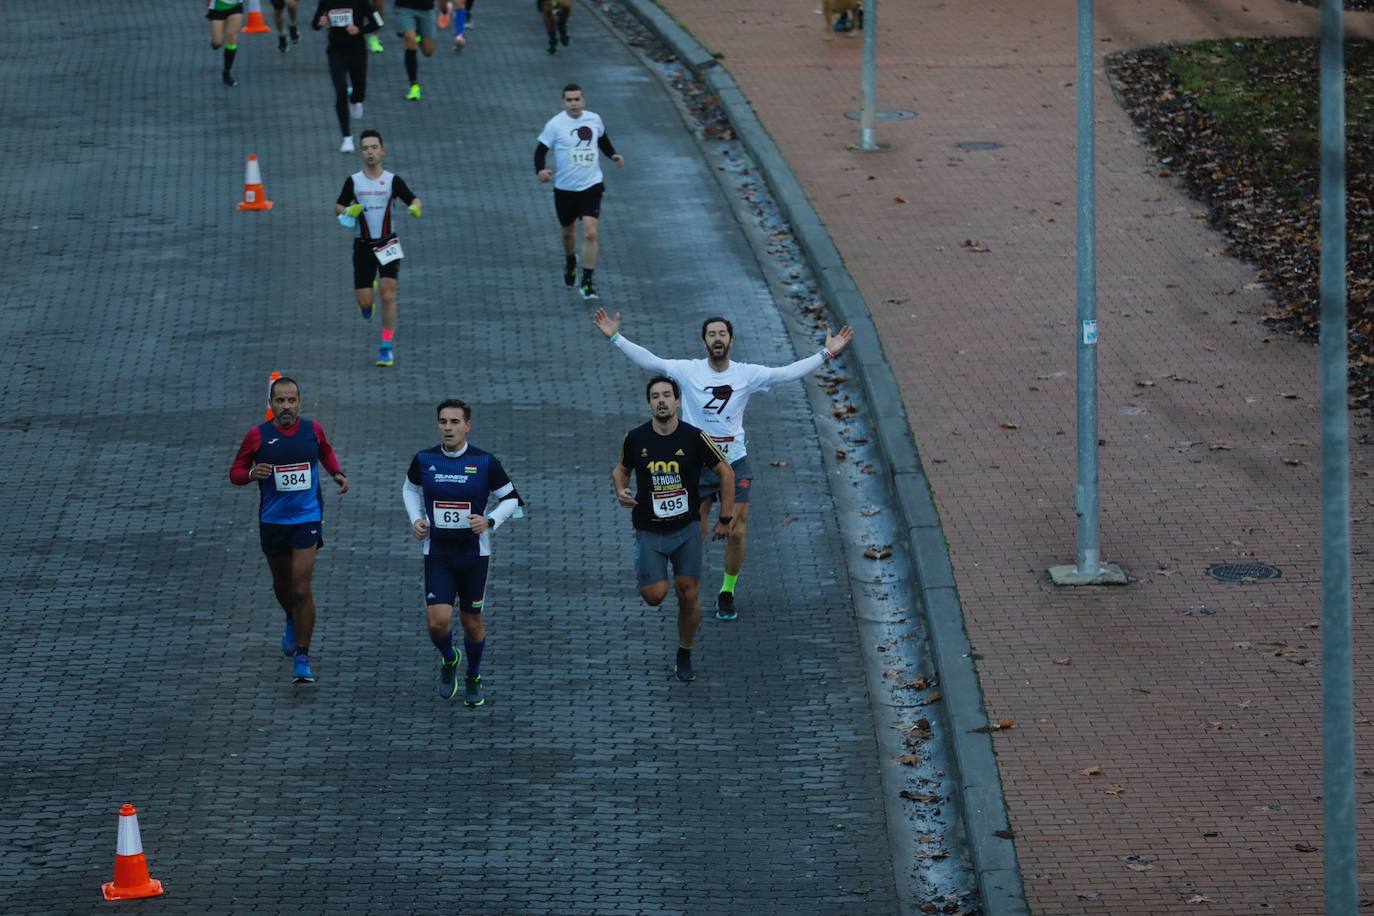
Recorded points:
(448,678)
(281,43)
(229,79)
(684,667)
(295,35)
(725,606)
(553,45)
(570,271)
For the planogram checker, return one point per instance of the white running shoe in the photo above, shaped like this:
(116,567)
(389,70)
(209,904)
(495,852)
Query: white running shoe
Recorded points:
(355,110)
(347,145)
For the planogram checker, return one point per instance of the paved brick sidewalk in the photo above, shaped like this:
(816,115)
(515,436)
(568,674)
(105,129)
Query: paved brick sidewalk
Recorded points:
(140,663)
(1199,701)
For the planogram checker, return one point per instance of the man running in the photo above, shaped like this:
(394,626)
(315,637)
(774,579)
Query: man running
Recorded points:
(415,23)
(555,14)
(446,493)
(347,21)
(280,10)
(718,390)
(226,18)
(284,456)
(667,457)
(577,138)
(365,204)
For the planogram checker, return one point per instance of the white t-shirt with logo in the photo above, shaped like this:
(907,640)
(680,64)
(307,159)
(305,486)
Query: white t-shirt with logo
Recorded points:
(714,401)
(576,158)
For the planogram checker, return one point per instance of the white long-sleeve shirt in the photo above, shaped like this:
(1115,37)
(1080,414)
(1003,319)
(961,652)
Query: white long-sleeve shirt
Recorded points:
(715,401)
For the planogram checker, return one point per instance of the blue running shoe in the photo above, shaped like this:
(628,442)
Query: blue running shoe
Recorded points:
(448,677)
(301,673)
(366,311)
(288,639)
(472,691)
(386,356)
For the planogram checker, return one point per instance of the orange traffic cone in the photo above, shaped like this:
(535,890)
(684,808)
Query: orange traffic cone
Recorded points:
(270,379)
(254,197)
(256,24)
(131,868)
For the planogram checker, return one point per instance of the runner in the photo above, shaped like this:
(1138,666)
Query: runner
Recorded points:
(284,456)
(667,457)
(717,392)
(447,490)
(348,21)
(415,23)
(371,195)
(462,19)
(226,18)
(291,8)
(374,42)
(575,135)
(555,13)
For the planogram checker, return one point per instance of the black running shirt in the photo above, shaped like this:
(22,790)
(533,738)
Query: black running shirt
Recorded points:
(667,469)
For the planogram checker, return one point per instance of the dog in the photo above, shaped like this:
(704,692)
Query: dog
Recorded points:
(841,13)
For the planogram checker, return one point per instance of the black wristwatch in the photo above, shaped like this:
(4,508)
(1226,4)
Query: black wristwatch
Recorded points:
(725,519)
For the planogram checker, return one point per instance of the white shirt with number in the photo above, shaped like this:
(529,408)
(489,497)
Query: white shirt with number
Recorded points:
(576,156)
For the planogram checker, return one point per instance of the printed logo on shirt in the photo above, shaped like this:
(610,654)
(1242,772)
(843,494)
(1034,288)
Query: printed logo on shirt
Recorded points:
(450,478)
(273,441)
(469,469)
(431,467)
(680,454)
(721,393)
(664,467)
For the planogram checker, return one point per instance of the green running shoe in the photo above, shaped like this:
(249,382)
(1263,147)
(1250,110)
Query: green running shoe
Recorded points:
(414,94)
(472,691)
(448,677)
(374,44)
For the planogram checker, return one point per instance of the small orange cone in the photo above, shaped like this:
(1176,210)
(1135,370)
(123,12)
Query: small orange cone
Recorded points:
(254,197)
(256,24)
(131,879)
(270,379)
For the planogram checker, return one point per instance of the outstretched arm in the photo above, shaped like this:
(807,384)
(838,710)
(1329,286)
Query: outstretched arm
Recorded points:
(638,355)
(834,344)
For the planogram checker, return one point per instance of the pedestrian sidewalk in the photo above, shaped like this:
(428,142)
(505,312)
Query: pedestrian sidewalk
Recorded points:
(1167,748)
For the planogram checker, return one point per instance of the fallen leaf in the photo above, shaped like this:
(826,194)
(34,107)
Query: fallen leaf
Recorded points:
(1144,383)
(909,760)
(1115,790)
(1063,661)
(879,553)
(923,797)
(777,464)
(933,698)
(1007,424)
(1090,771)
(1003,834)
(1139,866)
(1294,462)
(1304,847)
(1221,447)
(899,200)
(1200,898)
(971,245)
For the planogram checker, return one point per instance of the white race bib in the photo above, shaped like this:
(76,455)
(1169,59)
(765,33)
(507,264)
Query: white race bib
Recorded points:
(291,478)
(389,252)
(583,156)
(340,19)
(723,443)
(670,503)
(451,514)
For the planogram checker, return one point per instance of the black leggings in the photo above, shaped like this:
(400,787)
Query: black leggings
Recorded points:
(346,66)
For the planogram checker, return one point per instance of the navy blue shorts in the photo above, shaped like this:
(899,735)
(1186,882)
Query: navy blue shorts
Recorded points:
(460,581)
(280,539)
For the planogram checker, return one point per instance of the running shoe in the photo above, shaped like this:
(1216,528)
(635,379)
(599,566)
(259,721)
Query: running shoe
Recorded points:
(472,691)
(347,145)
(448,677)
(414,94)
(281,43)
(374,44)
(288,639)
(588,291)
(295,35)
(553,45)
(570,271)
(300,672)
(386,356)
(683,668)
(725,606)
(355,110)
(459,43)
(366,311)
(229,79)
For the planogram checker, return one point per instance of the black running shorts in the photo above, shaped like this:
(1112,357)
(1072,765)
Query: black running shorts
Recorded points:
(573,205)
(366,268)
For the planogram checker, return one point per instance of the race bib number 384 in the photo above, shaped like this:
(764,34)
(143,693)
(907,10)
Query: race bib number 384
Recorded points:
(291,478)
(670,503)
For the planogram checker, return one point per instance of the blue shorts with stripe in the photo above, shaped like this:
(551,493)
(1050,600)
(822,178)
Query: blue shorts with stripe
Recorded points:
(457,580)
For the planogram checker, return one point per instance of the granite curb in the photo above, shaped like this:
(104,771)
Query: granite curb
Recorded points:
(983,803)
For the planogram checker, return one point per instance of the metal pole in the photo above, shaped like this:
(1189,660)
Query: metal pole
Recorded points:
(1086,492)
(867,136)
(1338,739)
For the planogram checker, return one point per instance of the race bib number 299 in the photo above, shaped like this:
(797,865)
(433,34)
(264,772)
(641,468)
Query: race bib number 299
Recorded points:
(341,19)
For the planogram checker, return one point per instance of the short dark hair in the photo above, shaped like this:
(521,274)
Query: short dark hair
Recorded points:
(730,328)
(677,392)
(459,403)
(371,133)
(571,87)
(284,380)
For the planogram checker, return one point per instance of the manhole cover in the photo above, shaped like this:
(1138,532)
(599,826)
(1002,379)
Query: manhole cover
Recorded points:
(1239,572)
(883,114)
(979,144)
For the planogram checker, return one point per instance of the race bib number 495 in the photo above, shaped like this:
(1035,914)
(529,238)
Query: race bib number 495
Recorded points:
(670,503)
(291,478)
(452,514)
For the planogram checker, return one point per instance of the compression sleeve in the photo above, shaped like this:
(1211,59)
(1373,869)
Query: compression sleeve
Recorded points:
(414,497)
(243,461)
(402,190)
(368,18)
(347,195)
(768,376)
(327,456)
(642,357)
(541,156)
(510,501)
(604,144)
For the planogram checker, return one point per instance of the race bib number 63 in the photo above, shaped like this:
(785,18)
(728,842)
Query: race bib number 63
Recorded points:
(452,514)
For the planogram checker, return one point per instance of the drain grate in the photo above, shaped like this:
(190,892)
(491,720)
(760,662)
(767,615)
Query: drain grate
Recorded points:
(978,145)
(1241,572)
